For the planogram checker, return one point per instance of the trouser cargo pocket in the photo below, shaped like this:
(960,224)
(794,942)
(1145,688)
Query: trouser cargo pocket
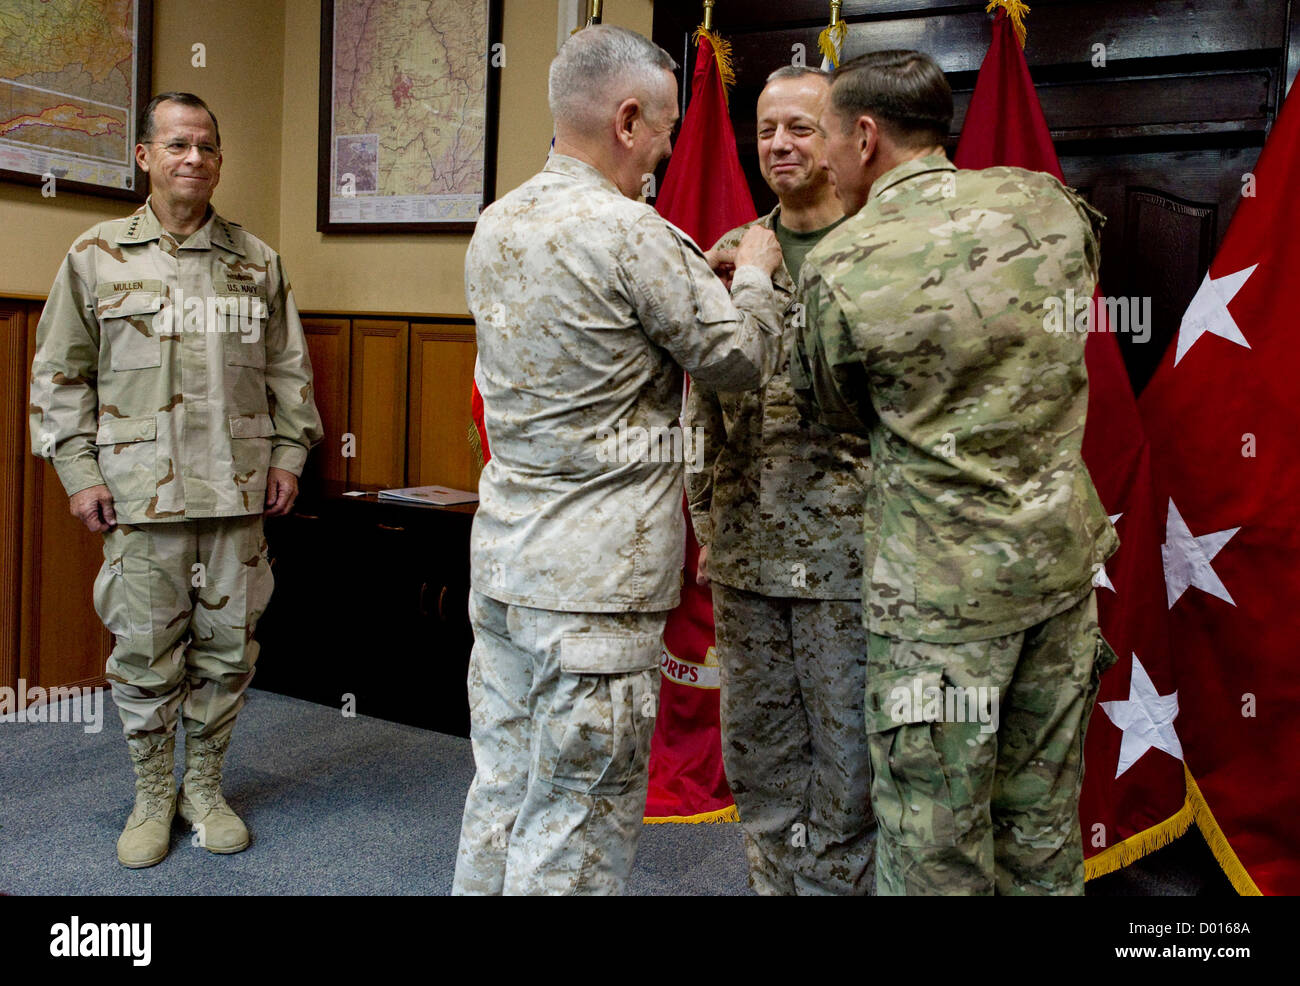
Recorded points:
(909,790)
(608,701)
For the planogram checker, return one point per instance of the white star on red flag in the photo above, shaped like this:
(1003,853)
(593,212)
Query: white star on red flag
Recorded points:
(1208,312)
(1187,558)
(1100,579)
(1146,718)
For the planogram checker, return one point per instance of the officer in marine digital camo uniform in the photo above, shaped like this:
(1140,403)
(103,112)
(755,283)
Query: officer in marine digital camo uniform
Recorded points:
(778,513)
(588,305)
(926,328)
(171,390)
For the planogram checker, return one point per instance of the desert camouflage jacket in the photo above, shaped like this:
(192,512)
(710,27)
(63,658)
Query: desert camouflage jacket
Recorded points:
(779,501)
(925,329)
(174,374)
(588,305)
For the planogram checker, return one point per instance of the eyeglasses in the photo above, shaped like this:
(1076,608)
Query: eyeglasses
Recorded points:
(180,148)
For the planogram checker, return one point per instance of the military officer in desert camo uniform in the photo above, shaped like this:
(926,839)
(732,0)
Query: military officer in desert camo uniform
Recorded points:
(171,391)
(925,328)
(778,512)
(588,306)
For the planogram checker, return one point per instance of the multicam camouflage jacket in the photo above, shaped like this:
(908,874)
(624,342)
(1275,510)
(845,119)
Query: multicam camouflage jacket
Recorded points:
(925,328)
(588,305)
(779,500)
(174,374)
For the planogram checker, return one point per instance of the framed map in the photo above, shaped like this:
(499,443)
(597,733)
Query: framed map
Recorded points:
(408,114)
(74,77)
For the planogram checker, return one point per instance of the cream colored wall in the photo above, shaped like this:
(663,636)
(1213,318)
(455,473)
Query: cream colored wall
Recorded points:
(243,82)
(410,273)
(262,79)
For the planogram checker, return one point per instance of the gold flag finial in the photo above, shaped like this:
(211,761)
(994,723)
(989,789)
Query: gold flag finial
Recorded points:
(1016,10)
(831,41)
(721,49)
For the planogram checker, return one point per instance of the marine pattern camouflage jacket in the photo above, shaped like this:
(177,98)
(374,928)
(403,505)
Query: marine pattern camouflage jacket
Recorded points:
(779,501)
(587,306)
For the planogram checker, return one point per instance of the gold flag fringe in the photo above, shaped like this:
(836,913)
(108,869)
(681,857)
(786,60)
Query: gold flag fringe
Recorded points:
(831,41)
(722,52)
(476,446)
(1194,809)
(728,814)
(1016,11)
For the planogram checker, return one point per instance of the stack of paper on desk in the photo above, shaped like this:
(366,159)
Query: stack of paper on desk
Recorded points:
(440,496)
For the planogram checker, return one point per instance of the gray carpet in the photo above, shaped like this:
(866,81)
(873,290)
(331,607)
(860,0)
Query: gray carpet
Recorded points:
(342,806)
(335,805)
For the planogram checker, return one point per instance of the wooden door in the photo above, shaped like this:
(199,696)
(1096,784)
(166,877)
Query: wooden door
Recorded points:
(377,411)
(63,641)
(442,373)
(329,345)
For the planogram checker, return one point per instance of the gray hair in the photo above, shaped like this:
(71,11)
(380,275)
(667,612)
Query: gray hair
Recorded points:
(147,128)
(597,69)
(797,72)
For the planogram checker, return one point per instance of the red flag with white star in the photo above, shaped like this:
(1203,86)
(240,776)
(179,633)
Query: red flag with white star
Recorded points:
(1220,413)
(1134,793)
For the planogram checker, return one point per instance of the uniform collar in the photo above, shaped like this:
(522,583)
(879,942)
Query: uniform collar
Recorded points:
(562,164)
(909,170)
(781,279)
(144,226)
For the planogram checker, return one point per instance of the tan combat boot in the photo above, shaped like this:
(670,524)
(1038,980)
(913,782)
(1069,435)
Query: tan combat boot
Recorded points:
(201,803)
(147,836)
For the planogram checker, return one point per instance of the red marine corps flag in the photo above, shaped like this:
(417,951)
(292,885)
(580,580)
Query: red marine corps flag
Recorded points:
(705,194)
(1220,413)
(1134,793)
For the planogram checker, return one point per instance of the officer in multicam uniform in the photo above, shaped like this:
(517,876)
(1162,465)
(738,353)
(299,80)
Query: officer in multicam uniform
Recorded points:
(925,327)
(171,391)
(588,305)
(778,513)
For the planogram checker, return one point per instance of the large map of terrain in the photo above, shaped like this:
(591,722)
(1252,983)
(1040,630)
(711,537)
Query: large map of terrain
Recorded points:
(409,110)
(66,89)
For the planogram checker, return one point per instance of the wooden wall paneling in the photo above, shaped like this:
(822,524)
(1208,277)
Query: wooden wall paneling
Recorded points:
(442,373)
(377,410)
(329,345)
(63,641)
(13,453)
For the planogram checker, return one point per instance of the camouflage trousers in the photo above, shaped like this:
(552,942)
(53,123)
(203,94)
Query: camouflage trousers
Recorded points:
(977,751)
(562,708)
(793,674)
(181,600)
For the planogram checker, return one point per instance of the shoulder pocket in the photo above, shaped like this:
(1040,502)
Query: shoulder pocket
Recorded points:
(712,302)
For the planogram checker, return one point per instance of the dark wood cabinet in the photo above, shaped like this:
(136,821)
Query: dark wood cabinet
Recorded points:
(371,601)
